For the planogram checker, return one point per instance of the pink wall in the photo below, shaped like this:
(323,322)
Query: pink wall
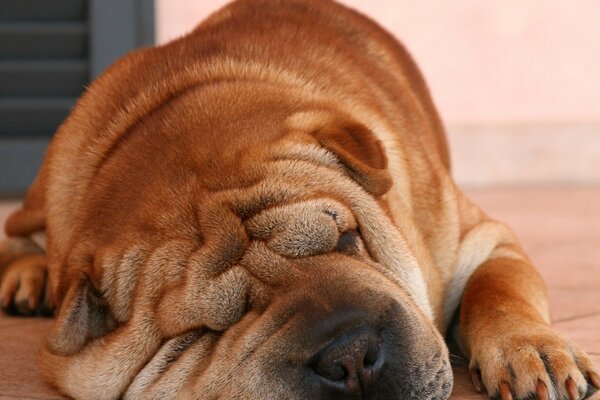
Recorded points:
(517,81)
(486,61)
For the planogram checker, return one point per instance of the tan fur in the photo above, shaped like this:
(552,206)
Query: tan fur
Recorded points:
(194,204)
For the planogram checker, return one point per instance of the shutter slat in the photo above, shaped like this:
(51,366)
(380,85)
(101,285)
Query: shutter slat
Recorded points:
(33,117)
(19,163)
(43,10)
(43,78)
(43,40)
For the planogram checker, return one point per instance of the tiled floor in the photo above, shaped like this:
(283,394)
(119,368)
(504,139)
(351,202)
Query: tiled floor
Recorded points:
(559,227)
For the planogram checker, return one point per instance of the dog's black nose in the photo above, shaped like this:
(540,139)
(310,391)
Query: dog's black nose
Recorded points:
(350,364)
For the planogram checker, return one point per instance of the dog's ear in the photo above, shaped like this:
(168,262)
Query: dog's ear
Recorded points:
(83,315)
(357,148)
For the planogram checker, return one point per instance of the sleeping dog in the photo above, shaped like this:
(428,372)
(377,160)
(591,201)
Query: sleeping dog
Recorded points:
(264,209)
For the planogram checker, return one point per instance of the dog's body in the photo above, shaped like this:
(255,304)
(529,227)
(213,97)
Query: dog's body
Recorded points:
(264,209)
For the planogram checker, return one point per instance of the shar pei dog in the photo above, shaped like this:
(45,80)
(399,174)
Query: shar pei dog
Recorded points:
(263,209)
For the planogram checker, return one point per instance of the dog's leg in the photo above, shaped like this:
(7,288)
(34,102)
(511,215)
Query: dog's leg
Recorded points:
(505,331)
(23,262)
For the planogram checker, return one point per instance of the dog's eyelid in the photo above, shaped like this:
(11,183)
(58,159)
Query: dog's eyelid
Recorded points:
(332,213)
(349,242)
(342,217)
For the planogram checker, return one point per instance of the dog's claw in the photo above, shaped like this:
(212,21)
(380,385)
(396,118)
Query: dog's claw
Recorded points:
(476,379)
(6,301)
(571,387)
(542,391)
(22,307)
(505,393)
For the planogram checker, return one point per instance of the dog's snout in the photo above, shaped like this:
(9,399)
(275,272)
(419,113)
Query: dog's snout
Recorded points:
(351,363)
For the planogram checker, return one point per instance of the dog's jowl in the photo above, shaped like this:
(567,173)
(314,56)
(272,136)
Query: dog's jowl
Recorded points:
(264,209)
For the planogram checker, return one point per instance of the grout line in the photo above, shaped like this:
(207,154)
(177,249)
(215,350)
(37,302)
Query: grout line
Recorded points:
(580,289)
(5,396)
(576,317)
(10,321)
(12,324)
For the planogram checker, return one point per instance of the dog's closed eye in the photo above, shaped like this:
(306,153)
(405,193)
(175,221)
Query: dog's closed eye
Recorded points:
(349,243)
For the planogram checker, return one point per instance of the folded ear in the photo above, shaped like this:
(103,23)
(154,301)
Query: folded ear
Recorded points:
(354,144)
(83,315)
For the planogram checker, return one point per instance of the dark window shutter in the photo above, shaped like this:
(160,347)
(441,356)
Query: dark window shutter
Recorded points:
(49,51)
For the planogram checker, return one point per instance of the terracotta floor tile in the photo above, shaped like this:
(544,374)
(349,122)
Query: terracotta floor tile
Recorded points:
(546,219)
(584,331)
(6,322)
(463,388)
(570,266)
(19,344)
(28,397)
(569,303)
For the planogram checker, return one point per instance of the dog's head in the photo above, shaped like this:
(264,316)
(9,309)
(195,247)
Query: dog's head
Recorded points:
(301,287)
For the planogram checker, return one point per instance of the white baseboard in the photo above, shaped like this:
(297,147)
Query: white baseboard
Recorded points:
(534,154)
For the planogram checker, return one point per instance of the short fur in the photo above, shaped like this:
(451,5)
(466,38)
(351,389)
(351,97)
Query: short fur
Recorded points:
(215,205)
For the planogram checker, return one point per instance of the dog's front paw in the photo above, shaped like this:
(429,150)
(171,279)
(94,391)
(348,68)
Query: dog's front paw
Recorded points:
(533,362)
(23,286)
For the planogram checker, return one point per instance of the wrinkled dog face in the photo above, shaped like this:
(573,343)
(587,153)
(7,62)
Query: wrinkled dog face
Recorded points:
(315,317)
(292,284)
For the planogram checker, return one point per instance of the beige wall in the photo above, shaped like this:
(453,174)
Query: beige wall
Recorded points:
(516,81)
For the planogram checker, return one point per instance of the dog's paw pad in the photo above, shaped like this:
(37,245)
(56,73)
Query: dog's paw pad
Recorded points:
(540,365)
(23,286)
